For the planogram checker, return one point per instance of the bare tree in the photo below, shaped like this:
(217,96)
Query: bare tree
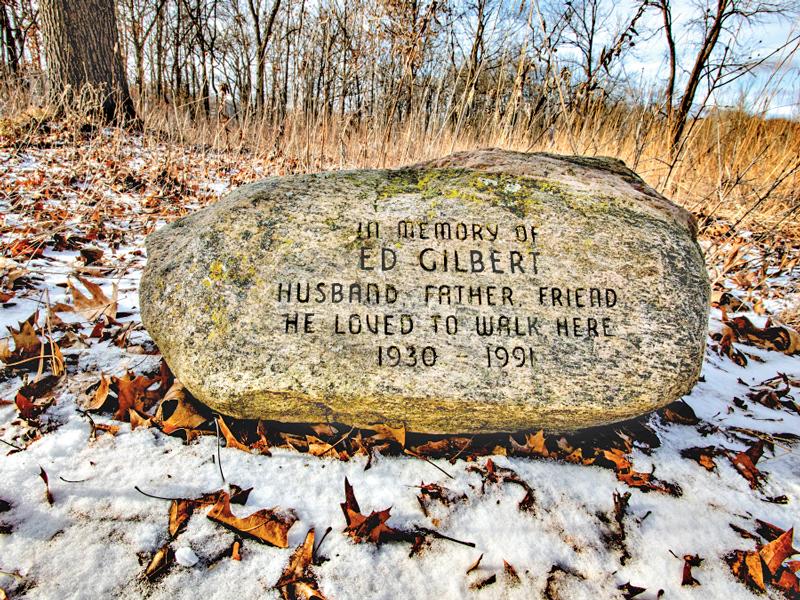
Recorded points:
(720,24)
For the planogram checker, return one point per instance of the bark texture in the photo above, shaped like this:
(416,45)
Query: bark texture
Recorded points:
(82,48)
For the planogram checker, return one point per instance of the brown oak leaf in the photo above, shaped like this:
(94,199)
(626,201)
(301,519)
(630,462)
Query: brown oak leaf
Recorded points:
(298,582)
(268,525)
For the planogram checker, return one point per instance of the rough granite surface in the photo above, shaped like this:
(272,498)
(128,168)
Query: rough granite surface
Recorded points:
(214,296)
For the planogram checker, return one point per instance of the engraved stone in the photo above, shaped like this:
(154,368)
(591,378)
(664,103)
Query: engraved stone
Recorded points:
(485,291)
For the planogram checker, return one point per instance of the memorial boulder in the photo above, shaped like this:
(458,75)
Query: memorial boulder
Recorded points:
(485,291)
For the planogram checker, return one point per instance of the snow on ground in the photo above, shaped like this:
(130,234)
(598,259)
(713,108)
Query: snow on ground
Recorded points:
(99,534)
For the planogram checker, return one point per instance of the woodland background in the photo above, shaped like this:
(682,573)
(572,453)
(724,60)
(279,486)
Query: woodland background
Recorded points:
(119,117)
(307,86)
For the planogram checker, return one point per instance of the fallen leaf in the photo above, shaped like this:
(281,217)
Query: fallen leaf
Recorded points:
(479,585)
(704,456)
(746,566)
(434,491)
(372,528)
(100,394)
(137,420)
(443,448)
(385,432)
(236,548)
(788,583)
(630,591)
(112,429)
(175,411)
(317,447)
(230,439)
(181,509)
(27,409)
(132,392)
(27,345)
(636,479)
(297,582)
(745,464)
(91,255)
(779,338)
(689,561)
(268,526)
(534,445)
(179,513)
(511,572)
(493,474)
(91,307)
(777,551)
(160,562)
(47,493)
(726,339)
(474,565)
(768,531)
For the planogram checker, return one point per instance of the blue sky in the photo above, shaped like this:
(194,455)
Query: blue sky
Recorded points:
(775,89)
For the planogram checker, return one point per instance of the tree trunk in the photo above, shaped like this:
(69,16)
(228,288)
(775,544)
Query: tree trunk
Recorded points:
(10,57)
(681,114)
(82,48)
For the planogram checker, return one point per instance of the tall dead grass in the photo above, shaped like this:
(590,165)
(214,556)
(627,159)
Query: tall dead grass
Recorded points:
(732,165)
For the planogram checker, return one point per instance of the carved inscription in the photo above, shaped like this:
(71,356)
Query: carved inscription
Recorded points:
(482,267)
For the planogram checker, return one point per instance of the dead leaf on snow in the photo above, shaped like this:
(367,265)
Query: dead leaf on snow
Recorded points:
(704,456)
(268,526)
(372,528)
(746,566)
(181,510)
(137,420)
(689,561)
(779,338)
(132,392)
(161,561)
(91,307)
(479,585)
(777,551)
(788,583)
(630,591)
(474,565)
(434,492)
(100,394)
(491,473)
(298,582)
(47,493)
(745,464)
(511,573)
(27,345)
(236,549)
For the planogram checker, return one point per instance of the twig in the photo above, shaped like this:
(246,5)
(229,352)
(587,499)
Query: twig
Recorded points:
(12,445)
(341,439)
(92,424)
(415,455)
(219,456)
(315,551)
(136,487)
(12,574)
(435,533)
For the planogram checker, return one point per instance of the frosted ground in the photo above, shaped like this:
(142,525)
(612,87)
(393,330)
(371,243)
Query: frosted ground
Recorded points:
(99,534)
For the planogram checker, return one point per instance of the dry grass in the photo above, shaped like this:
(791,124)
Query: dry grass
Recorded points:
(732,165)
